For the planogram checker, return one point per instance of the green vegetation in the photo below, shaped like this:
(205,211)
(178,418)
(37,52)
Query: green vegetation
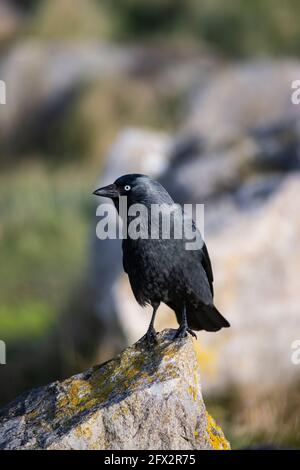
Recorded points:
(24,319)
(233,28)
(44,222)
(65,18)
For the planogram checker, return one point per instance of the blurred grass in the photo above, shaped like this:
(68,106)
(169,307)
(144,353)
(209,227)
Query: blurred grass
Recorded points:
(249,420)
(235,28)
(65,18)
(43,232)
(26,319)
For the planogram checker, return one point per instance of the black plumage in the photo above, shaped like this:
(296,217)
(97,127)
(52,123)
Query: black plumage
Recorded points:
(163,270)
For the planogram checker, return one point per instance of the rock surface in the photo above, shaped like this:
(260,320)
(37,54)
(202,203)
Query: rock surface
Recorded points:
(143,399)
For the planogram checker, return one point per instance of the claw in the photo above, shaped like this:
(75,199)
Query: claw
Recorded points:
(191,332)
(184,329)
(182,332)
(150,337)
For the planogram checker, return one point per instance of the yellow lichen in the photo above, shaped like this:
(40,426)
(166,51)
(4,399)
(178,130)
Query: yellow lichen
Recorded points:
(193,392)
(215,435)
(206,358)
(31,415)
(124,374)
(84,431)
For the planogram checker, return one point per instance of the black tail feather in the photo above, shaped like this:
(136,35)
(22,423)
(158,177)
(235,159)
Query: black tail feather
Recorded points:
(206,317)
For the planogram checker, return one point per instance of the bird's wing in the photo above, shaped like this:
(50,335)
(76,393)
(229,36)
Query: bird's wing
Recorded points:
(205,261)
(202,256)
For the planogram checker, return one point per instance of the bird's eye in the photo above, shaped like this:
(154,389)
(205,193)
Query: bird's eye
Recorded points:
(127,187)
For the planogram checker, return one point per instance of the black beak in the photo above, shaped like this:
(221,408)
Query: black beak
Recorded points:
(108,191)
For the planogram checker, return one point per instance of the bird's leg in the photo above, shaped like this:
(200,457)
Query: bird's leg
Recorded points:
(150,336)
(184,329)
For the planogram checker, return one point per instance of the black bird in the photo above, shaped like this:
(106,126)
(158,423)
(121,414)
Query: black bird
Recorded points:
(163,270)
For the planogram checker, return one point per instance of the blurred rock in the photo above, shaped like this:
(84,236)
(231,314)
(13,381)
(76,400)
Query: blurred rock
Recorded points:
(11,20)
(137,151)
(241,98)
(256,265)
(236,177)
(118,405)
(175,68)
(43,78)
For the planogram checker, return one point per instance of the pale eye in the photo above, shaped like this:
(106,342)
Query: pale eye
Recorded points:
(127,187)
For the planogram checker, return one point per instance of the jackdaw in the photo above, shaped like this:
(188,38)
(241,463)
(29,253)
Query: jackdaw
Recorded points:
(160,268)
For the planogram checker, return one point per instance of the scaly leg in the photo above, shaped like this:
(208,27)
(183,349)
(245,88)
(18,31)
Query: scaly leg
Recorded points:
(150,336)
(184,329)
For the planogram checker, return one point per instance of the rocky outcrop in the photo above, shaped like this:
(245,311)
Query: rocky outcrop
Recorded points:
(146,398)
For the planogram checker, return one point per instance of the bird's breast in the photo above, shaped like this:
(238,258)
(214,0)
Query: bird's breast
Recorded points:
(150,267)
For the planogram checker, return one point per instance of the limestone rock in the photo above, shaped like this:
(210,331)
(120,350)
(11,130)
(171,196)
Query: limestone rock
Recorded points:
(143,399)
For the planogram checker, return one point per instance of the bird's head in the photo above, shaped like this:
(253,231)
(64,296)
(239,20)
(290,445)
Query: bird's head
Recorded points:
(138,189)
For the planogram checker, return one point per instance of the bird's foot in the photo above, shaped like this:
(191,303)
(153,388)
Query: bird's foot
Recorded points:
(192,333)
(150,337)
(183,331)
